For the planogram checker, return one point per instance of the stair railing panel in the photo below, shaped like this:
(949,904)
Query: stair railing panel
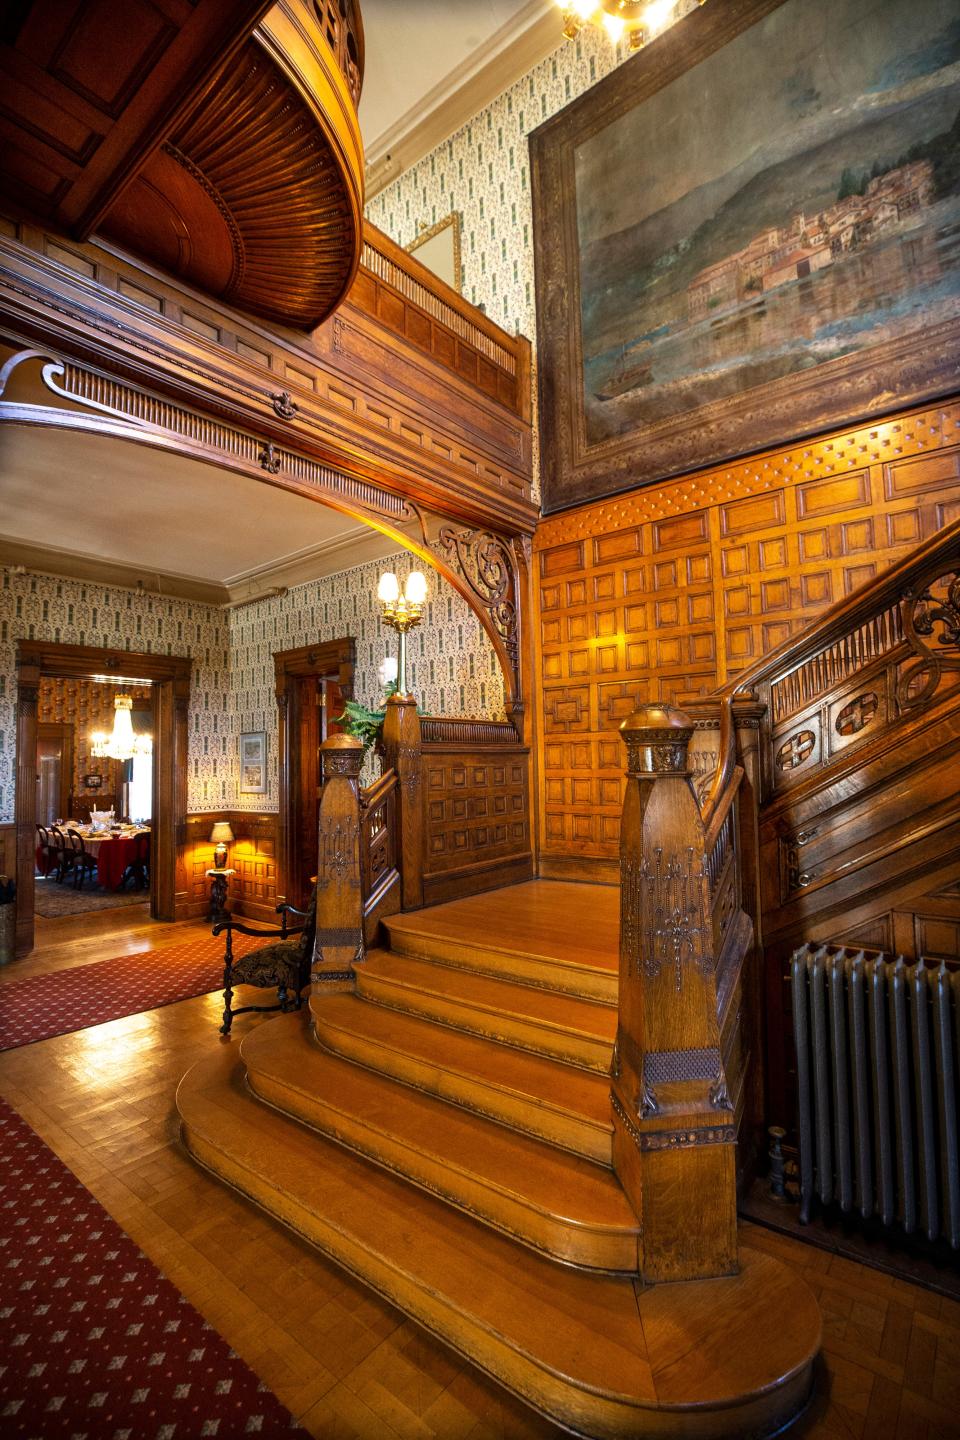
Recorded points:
(339,945)
(379,853)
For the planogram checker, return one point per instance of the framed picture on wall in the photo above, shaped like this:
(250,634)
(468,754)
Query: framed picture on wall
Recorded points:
(745,234)
(438,247)
(253,762)
(92,782)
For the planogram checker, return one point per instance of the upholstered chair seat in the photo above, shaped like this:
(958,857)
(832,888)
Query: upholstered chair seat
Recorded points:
(283,963)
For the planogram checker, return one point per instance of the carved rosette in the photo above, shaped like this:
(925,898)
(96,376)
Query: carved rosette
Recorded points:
(487,563)
(931,625)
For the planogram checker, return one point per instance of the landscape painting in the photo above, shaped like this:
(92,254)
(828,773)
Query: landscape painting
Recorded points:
(787,203)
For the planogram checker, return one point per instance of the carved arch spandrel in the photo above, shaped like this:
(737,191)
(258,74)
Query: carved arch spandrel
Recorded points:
(263,461)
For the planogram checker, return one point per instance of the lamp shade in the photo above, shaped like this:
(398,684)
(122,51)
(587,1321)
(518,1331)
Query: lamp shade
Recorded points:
(221,834)
(416,588)
(388,589)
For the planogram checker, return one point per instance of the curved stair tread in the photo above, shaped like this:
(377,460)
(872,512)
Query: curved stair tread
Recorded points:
(527,913)
(551,1084)
(567,1014)
(583,1348)
(590,973)
(563,1188)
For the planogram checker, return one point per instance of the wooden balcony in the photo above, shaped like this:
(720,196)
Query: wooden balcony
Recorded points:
(221,143)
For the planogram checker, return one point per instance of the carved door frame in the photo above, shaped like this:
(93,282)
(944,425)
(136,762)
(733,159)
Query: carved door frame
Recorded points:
(327,658)
(170,681)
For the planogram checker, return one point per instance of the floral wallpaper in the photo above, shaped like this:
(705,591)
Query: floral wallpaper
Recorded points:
(483,171)
(452,667)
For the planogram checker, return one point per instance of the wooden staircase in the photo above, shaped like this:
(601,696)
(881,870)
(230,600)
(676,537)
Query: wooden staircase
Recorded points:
(444,1133)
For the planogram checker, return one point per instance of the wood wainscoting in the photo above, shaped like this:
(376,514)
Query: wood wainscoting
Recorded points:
(253,856)
(476,797)
(667,592)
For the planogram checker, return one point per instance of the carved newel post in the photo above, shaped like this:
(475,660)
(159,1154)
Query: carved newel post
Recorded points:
(673,1145)
(339,942)
(401,748)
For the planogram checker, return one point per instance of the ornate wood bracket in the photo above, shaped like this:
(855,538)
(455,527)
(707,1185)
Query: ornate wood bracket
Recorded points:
(488,564)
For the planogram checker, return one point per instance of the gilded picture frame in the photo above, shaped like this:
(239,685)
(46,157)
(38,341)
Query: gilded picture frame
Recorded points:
(253,762)
(740,239)
(438,248)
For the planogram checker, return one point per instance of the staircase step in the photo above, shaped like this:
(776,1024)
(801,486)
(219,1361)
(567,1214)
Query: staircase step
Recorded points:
(554,1202)
(580,1032)
(592,1352)
(424,935)
(566,1106)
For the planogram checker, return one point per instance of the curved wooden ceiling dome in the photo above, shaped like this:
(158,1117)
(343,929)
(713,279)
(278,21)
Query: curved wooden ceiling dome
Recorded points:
(230,158)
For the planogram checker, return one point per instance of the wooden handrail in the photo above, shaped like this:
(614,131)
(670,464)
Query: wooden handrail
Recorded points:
(371,795)
(877,595)
(457,730)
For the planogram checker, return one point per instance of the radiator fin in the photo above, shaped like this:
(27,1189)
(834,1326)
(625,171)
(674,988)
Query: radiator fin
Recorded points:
(878,1077)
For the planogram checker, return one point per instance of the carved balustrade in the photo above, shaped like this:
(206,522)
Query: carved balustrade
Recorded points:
(848,735)
(379,853)
(673,1116)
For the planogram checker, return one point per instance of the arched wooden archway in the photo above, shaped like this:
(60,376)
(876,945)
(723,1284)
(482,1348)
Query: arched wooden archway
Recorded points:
(169,676)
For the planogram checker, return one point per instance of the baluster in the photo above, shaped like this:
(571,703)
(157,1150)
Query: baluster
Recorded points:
(674,1136)
(339,946)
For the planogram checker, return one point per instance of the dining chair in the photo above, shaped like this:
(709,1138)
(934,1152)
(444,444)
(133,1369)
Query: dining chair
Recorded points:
(46,851)
(84,863)
(63,850)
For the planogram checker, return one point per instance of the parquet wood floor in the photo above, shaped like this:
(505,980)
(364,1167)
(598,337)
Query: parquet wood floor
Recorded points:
(349,1366)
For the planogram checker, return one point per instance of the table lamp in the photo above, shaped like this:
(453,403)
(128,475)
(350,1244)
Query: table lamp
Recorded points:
(221,836)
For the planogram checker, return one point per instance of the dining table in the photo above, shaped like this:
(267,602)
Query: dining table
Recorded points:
(114,852)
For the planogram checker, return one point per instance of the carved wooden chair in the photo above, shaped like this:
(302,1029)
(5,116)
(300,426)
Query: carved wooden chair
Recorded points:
(83,863)
(283,962)
(63,850)
(47,859)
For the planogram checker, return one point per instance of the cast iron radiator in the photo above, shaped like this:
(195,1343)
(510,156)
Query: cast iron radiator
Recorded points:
(878,1076)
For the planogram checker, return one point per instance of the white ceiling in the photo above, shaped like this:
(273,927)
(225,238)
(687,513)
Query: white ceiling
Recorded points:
(432,64)
(94,505)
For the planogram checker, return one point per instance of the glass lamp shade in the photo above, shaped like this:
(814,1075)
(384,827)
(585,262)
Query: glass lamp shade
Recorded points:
(388,590)
(415,589)
(122,741)
(222,836)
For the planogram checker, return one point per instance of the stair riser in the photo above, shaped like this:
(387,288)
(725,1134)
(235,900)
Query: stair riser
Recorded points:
(586,984)
(592,1142)
(595,1249)
(582,1050)
(587,1414)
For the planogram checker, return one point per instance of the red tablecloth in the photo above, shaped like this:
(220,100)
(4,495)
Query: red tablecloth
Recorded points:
(113,857)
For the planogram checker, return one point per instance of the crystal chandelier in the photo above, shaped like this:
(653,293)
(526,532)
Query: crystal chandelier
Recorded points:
(637,21)
(121,743)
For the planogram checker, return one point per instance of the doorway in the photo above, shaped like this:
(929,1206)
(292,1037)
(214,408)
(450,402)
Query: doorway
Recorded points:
(168,679)
(312,684)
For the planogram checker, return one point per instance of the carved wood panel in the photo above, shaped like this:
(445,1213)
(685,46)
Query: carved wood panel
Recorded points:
(477,818)
(253,858)
(669,591)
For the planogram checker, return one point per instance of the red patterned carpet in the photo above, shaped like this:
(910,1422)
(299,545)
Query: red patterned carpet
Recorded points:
(96,1343)
(43,1005)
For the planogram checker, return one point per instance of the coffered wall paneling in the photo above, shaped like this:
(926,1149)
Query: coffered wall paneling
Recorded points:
(666,592)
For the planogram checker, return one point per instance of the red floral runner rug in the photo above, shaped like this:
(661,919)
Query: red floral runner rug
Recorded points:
(96,1342)
(40,1006)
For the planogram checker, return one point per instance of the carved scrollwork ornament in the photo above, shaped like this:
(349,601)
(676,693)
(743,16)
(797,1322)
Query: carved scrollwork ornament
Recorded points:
(284,405)
(931,626)
(485,562)
(344,763)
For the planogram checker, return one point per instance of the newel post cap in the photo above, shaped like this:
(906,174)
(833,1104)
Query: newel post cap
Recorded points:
(342,754)
(656,737)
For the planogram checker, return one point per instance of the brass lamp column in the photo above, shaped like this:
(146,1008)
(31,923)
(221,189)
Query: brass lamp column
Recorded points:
(402,612)
(401,732)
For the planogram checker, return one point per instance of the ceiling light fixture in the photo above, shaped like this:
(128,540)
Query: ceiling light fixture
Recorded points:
(121,743)
(636,20)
